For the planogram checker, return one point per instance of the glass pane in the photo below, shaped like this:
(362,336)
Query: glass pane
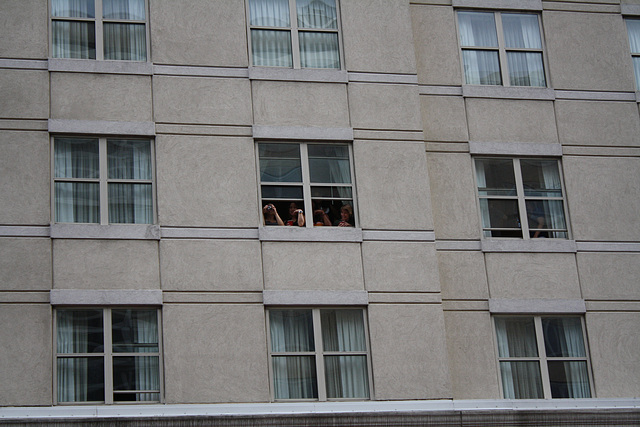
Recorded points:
(481,67)
(130,204)
(329,163)
(331,192)
(80,379)
(129,159)
(136,397)
(79,331)
(477,29)
(269,13)
(333,213)
(76,158)
(541,178)
(77,202)
(271,48)
(342,330)
(317,14)
(280,162)
(521,31)
(136,373)
(501,213)
(543,214)
(521,380)
(569,379)
(319,50)
(636,67)
(294,377)
(526,69)
(73,39)
(563,337)
(516,337)
(633,28)
(281,192)
(123,9)
(291,330)
(73,8)
(495,177)
(125,41)
(346,377)
(134,331)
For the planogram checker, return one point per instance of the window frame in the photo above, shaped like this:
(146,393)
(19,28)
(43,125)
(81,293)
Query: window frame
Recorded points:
(502,49)
(99,22)
(306,183)
(319,353)
(542,357)
(107,355)
(521,198)
(103,179)
(634,55)
(294,30)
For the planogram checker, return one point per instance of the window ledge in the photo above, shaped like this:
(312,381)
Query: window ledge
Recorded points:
(300,75)
(96,66)
(315,298)
(115,231)
(105,297)
(536,306)
(529,245)
(101,127)
(303,234)
(500,4)
(516,148)
(508,92)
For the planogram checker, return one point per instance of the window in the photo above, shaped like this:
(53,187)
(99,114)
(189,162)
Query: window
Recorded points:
(99,29)
(310,177)
(521,198)
(107,355)
(294,33)
(501,48)
(542,357)
(633,28)
(103,180)
(318,354)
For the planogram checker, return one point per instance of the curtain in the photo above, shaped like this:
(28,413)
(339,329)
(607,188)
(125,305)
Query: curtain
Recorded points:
(478,29)
(125,41)
(542,183)
(317,14)
(271,48)
(147,367)
(551,176)
(319,50)
(484,203)
(522,31)
(123,9)
(73,39)
(633,28)
(73,8)
(269,13)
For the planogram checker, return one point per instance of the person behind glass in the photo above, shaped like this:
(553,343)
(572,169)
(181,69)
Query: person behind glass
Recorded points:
(320,217)
(346,217)
(271,216)
(296,216)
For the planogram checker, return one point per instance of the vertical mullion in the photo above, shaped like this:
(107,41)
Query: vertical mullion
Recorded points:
(103,175)
(317,333)
(504,68)
(99,31)
(154,207)
(295,42)
(306,185)
(522,206)
(108,357)
(565,207)
(272,391)
(542,354)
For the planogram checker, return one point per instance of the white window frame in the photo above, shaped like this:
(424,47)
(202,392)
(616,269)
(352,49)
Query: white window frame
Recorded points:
(99,31)
(542,358)
(306,181)
(107,356)
(319,353)
(502,49)
(520,197)
(295,41)
(103,178)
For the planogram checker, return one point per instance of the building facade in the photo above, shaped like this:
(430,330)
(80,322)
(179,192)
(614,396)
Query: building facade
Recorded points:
(320,211)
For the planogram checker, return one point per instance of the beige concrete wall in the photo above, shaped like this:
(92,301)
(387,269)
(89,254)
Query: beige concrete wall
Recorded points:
(463,275)
(384,106)
(25,355)
(25,264)
(609,276)
(23,29)
(24,94)
(215,353)
(444,118)
(105,264)
(26,183)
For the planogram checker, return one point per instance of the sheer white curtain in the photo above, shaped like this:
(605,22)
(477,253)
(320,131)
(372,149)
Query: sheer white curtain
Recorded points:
(633,29)
(147,367)
(551,176)
(484,203)
(270,47)
(73,39)
(522,31)
(124,41)
(478,29)
(563,338)
(318,49)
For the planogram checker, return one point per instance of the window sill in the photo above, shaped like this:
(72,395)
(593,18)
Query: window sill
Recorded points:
(529,245)
(500,4)
(316,234)
(298,75)
(508,92)
(115,231)
(95,66)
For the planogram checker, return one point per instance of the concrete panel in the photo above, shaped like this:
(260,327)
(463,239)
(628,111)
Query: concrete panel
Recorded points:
(24,94)
(598,123)
(614,342)
(206,181)
(609,276)
(210,265)
(199,32)
(393,186)
(312,266)
(384,106)
(436,45)
(588,51)
(444,118)
(225,347)
(25,264)
(603,197)
(201,100)
(300,104)
(23,29)
(77,96)
(408,352)
(25,355)
(377,36)
(400,267)
(520,121)
(105,264)
(471,355)
(463,275)
(25,185)
(529,275)
(455,211)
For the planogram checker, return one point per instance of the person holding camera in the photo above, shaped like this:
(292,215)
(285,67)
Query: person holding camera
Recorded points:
(271,216)
(296,216)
